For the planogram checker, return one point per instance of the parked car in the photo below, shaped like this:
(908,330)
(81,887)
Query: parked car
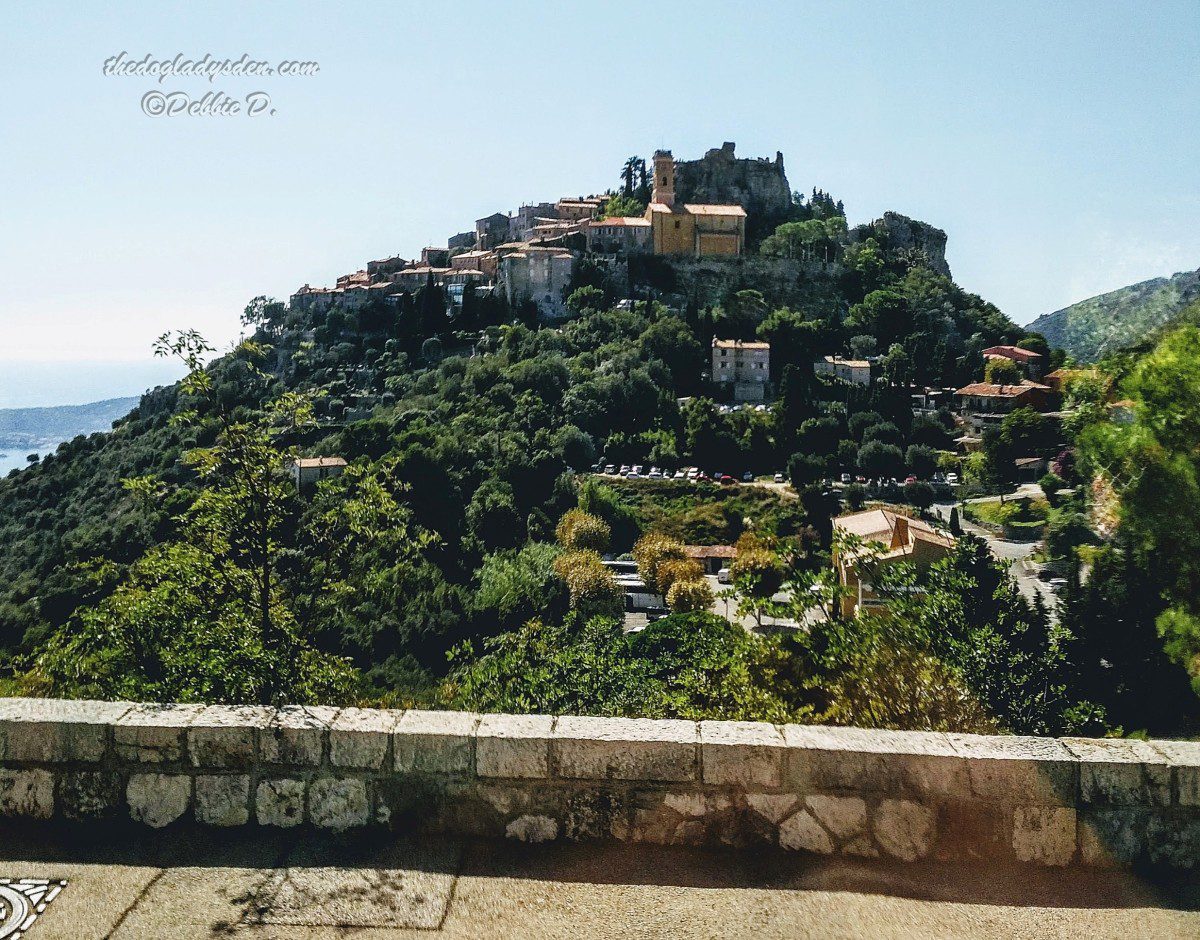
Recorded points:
(680,475)
(655,473)
(952,479)
(846,478)
(910,479)
(632,474)
(1058,584)
(693,473)
(624,469)
(778,478)
(723,576)
(637,468)
(610,469)
(727,480)
(747,477)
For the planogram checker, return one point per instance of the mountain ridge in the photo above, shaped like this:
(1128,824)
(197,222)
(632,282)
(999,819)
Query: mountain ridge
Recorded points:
(1108,322)
(50,424)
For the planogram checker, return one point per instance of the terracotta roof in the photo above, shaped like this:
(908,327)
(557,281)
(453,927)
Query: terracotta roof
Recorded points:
(1013,352)
(853,363)
(710,551)
(701,209)
(879,525)
(621,220)
(989,390)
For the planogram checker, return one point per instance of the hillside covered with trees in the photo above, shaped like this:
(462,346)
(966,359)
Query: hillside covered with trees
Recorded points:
(1106,324)
(456,561)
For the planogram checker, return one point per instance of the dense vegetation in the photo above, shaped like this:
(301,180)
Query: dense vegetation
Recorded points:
(1099,326)
(456,561)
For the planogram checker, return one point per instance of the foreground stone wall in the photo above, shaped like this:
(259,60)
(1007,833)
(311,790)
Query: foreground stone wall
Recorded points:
(903,795)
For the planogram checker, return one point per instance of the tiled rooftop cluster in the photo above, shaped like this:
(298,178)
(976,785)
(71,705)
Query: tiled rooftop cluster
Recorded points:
(903,795)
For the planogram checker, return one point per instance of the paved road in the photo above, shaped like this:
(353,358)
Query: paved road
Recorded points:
(1015,554)
(256,885)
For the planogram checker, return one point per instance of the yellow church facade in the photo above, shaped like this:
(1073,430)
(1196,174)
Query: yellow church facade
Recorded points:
(691,229)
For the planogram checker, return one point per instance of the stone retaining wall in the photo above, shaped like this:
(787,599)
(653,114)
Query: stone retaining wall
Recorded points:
(904,795)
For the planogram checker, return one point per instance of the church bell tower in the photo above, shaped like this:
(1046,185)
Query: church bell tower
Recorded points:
(664,178)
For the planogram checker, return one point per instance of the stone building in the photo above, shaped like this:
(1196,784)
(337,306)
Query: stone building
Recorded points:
(743,364)
(695,229)
(578,208)
(537,274)
(521,222)
(619,234)
(854,371)
(491,230)
(461,240)
(308,471)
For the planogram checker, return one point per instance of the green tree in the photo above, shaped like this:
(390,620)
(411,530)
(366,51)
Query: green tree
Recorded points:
(211,615)
(580,531)
(1001,371)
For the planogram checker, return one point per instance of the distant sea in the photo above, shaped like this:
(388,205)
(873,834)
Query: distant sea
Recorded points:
(12,459)
(30,384)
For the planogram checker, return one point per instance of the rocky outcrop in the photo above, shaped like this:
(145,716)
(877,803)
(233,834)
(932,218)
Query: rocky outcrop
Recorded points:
(900,234)
(758,185)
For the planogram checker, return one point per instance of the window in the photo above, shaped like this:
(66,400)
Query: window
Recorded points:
(677,223)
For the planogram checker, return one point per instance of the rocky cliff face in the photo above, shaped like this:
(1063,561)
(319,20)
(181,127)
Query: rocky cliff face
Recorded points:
(900,233)
(758,185)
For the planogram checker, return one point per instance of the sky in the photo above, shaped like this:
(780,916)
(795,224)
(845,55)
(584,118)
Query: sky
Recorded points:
(1055,144)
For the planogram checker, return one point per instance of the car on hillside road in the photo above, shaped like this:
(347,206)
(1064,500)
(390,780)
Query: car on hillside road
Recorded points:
(952,479)
(778,478)
(747,477)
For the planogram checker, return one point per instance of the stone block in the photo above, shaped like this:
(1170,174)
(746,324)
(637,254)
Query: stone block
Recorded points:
(1045,835)
(223,800)
(1121,772)
(56,730)
(1018,769)
(1183,757)
(747,754)
(226,736)
(359,737)
(532,829)
(90,795)
(843,817)
(158,800)
(279,802)
(1173,839)
(772,807)
(904,830)
(917,764)
(1113,837)
(295,735)
(514,746)
(435,742)
(685,817)
(154,733)
(28,793)
(642,749)
(338,804)
(802,833)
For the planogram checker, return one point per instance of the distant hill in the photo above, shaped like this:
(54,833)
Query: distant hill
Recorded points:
(42,427)
(1099,325)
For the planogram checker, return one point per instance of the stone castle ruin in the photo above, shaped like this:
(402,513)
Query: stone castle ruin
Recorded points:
(758,185)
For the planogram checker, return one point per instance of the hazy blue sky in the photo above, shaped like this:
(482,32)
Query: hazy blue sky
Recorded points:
(1055,143)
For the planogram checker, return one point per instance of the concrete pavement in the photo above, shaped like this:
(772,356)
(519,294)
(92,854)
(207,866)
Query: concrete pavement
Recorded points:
(211,883)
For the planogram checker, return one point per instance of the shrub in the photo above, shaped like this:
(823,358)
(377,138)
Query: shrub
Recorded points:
(691,596)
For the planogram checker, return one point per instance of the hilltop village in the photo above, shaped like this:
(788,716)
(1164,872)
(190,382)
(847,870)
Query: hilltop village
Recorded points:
(695,209)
